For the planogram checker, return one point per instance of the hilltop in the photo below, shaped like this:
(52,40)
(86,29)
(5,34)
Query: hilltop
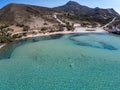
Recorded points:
(85,13)
(34,16)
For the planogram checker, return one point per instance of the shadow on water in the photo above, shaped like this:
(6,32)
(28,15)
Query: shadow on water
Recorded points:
(5,52)
(86,34)
(107,46)
(82,43)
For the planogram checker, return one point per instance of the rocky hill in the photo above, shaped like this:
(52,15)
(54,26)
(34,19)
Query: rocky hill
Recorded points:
(20,20)
(34,16)
(114,27)
(37,17)
(99,15)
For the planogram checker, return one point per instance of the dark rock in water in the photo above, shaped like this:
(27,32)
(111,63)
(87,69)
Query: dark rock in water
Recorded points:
(34,40)
(116,32)
(70,65)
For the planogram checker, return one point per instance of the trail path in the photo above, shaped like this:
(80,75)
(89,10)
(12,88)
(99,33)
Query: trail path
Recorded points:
(61,22)
(109,23)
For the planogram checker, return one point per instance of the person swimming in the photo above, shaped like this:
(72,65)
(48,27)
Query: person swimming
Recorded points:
(71,65)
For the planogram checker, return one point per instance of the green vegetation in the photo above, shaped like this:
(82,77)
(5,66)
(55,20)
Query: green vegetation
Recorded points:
(69,27)
(61,28)
(26,28)
(43,28)
(34,33)
(20,25)
(17,36)
(86,18)
(6,34)
(25,34)
(45,23)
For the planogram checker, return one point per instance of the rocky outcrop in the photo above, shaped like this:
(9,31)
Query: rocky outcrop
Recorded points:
(114,27)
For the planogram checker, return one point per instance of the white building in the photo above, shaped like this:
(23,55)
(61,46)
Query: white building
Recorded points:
(76,25)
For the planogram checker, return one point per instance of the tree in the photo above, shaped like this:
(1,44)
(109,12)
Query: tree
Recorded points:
(69,27)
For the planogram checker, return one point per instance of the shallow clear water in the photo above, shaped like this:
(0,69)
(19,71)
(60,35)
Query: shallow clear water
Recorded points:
(62,62)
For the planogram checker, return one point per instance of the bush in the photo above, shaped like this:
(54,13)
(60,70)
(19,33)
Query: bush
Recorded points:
(3,26)
(69,27)
(6,34)
(34,32)
(26,28)
(24,34)
(61,28)
(17,36)
(20,25)
(43,28)
(45,24)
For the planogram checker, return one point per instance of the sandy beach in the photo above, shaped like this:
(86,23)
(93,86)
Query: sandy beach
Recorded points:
(77,30)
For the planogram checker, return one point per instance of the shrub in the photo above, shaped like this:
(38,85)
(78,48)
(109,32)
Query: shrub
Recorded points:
(69,27)
(61,28)
(24,34)
(5,34)
(26,28)
(45,23)
(43,28)
(17,36)
(20,25)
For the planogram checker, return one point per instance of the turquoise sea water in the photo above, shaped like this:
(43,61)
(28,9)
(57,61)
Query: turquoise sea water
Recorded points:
(62,62)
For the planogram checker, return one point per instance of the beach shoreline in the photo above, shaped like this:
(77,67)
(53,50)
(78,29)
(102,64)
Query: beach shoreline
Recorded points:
(77,30)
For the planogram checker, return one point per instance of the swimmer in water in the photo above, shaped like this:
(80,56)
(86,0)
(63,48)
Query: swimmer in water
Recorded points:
(71,65)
